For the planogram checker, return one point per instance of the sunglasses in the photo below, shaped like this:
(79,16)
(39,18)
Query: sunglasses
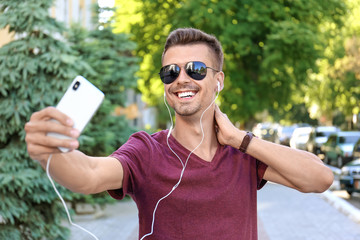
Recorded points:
(196,70)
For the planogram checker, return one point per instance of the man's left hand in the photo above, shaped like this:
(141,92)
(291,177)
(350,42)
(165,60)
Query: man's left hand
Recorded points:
(226,132)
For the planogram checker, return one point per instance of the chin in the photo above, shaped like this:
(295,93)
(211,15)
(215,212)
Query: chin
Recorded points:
(186,111)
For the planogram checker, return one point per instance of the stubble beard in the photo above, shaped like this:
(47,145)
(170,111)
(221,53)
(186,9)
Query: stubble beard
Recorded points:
(185,110)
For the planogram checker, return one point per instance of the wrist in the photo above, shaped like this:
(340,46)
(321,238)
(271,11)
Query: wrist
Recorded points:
(236,138)
(246,141)
(41,159)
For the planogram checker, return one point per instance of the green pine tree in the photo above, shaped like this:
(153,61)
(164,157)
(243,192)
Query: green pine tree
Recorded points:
(110,55)
(35,69)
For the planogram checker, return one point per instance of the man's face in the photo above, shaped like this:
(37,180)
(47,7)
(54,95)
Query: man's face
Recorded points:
(186,95)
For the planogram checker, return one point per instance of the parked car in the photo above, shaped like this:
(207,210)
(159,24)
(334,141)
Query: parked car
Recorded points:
(338,149)
(318,136)
(356,150)
(284,134)
(300,137)
(350,176)
(265,131)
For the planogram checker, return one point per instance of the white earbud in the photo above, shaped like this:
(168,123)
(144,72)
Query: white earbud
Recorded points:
(218,85)
(164,93)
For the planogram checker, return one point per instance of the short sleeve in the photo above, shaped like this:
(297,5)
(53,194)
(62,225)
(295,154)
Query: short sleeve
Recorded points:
(120,193)
(260,168)
(130,155)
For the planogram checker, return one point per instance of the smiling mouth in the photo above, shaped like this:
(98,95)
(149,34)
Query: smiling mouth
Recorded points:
(187,94)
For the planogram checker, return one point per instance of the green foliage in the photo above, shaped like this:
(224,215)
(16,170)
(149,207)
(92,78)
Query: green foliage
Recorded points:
(114,67)
(269,45)
(110,56)
(149,24)
(34,72)
(21,17)
(293,113)
(335,88)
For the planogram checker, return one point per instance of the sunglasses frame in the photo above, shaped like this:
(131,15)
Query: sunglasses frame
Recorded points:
(172,75)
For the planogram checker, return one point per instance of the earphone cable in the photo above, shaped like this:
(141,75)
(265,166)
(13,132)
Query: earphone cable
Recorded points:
(62,200)
(184,165)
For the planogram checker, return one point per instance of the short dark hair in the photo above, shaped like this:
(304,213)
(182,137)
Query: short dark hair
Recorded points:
(185,36)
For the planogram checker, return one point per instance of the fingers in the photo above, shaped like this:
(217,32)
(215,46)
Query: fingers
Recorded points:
(60,123)
(49,120)
(40,153)
(50,126)
(217,110)
(51,113)
(222,122)
(39,145)
(50,142)
(220,116)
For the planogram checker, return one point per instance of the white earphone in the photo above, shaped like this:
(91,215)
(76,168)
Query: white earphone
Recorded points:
(182,163)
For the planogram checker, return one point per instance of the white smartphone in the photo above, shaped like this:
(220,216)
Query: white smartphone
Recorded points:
(80,102)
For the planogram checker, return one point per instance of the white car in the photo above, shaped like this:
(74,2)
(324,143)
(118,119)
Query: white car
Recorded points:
(318,136)
(300,137)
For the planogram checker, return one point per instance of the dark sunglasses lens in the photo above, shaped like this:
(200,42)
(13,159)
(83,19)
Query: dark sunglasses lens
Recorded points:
(196,70)
(169,73)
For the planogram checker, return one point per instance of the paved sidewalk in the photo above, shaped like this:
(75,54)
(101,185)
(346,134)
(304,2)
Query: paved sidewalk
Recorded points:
(119,221)
(288,214)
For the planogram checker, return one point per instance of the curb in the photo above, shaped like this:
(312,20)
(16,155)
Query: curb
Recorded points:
(342,206)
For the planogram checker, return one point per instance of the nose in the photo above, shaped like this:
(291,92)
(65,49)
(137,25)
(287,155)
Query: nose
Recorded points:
(183,77)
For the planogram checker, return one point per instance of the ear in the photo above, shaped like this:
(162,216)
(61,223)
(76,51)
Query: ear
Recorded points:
(220,80)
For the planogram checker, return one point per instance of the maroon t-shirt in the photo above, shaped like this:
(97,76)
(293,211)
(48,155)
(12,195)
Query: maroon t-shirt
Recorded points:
(215,200)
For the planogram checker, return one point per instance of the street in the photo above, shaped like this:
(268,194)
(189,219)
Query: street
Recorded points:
(353,199)
(117,221)
(288,214)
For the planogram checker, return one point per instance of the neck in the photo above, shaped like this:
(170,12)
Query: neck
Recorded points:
(187,131)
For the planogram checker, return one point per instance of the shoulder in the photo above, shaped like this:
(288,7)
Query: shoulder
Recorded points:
(142,141)
(143,136)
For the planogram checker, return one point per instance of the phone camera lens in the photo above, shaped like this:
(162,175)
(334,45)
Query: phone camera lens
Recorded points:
(76,85)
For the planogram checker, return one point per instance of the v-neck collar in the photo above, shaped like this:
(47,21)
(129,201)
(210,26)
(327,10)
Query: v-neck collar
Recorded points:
(186,152)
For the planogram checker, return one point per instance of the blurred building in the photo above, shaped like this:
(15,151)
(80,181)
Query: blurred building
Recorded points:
(73,11)
(138,114)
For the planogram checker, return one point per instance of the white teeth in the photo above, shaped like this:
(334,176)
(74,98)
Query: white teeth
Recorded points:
(186,94)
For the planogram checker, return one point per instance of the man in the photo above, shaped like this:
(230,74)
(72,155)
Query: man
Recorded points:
(209,189)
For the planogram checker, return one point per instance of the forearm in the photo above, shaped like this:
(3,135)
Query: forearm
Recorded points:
(290,167)
(299,169)
(72,170)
